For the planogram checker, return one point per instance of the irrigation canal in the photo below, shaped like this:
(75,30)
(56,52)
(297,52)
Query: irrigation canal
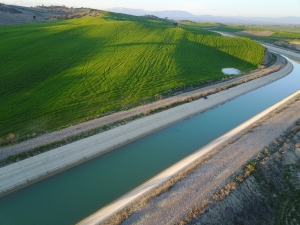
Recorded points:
(72,195)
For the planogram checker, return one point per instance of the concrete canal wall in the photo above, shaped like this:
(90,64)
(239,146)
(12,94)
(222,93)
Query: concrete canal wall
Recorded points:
(30,170)
(106,212)
(292,55)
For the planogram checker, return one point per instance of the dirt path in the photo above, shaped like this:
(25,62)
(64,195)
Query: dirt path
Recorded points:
(89,125)
(172,206)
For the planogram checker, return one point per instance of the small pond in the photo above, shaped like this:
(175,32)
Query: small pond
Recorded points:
(231,71)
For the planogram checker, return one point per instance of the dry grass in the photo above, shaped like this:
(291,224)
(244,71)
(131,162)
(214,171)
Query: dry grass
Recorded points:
(286,146)
(199,209)
(259,155)
(11,137)
(240,178)
(248,170)
(222,193)
(275,142)
(277,154)
(295,129)
(266,152)
(257,33)
(194,212)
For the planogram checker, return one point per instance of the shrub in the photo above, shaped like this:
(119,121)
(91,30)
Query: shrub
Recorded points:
(11,137)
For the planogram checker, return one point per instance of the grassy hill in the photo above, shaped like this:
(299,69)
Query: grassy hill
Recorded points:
(62,72)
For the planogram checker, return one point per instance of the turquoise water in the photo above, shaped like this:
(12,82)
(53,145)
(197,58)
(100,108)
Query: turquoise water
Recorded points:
(231,71)
(72,195)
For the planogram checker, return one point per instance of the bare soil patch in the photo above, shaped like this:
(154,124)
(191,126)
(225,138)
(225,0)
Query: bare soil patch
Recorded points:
(12,14)
(24,15)
(295,45)
(255,33)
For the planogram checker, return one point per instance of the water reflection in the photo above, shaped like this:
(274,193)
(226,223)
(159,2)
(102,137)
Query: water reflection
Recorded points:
(231,71)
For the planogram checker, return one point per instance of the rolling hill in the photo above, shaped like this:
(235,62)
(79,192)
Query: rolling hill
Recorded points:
(64,72)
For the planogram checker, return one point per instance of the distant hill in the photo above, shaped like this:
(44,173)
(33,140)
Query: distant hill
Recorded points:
(177,14)
(135,12)
(12,14)
(249,20)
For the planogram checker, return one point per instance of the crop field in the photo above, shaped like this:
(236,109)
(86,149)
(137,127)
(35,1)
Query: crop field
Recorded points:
(278,31)
(198,24)
(197,27)
(290,29)
(59,73)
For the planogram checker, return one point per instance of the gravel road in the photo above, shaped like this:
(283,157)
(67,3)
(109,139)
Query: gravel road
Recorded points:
(172,206)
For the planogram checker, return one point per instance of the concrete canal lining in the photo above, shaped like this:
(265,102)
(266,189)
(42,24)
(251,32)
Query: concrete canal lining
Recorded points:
(115,207)
(290,54)
(23,173)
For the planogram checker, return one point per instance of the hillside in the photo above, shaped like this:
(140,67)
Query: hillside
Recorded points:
(63,72)
(12,14)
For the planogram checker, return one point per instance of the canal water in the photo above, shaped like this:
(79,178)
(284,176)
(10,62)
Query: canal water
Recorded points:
(72,195)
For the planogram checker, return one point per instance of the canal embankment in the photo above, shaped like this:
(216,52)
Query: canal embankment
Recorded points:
(265,191)
(173,205)
(27,171)
(276,49)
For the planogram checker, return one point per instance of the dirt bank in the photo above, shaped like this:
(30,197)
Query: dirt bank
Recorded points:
(270,195)
(292,45)
(176,204)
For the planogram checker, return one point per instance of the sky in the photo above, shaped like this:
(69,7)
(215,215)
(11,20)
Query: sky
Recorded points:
(247,8)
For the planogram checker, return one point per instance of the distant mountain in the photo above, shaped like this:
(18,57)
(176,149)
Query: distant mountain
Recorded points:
(135,12)
(174,14)
(179,15)
(249,20)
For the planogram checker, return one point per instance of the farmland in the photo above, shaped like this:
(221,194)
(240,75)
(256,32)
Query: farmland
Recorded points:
(63,72)
(275,34)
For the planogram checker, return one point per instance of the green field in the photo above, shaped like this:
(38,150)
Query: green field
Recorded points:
(280,32)
(63,72)
(197,27)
